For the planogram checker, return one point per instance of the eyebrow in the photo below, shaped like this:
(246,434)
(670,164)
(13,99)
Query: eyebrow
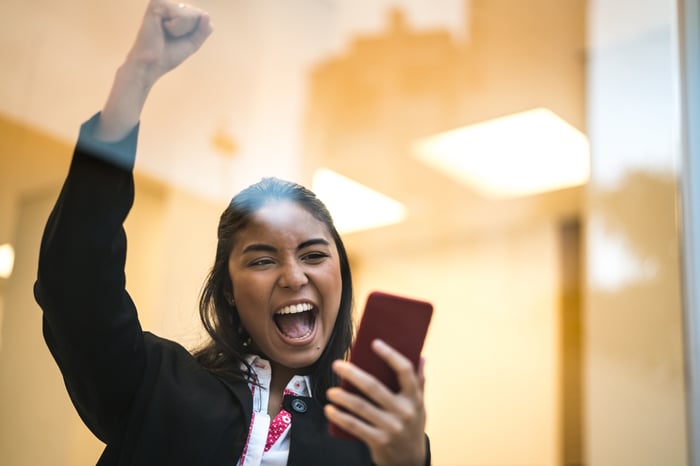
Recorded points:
(313,242)
(260,247)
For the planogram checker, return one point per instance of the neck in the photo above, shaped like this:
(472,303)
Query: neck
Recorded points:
(281,375)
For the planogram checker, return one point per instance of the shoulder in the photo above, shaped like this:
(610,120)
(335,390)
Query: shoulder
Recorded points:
(182,413)
(172,367)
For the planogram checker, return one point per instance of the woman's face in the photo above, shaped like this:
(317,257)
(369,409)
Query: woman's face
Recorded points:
(285,272)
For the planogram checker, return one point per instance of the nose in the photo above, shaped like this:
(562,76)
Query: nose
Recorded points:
(293,276)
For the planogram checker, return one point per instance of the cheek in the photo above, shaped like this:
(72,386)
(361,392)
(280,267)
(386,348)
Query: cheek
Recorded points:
(335,287)
(247,289)
(241,280)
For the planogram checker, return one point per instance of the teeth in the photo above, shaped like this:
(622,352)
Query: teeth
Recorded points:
(295,308)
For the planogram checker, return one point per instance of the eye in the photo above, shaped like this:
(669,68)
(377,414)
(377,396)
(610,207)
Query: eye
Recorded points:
(260,262)
(315,257)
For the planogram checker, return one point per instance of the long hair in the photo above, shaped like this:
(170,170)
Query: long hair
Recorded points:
(225,352)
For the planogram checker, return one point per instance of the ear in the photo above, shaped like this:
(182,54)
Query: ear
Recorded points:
(228,293)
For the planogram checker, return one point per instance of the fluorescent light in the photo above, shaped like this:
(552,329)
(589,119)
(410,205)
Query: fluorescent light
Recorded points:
(515,155)
(7,260)
(354,206)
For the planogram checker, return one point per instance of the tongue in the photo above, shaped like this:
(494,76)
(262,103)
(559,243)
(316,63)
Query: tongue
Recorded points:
(294,325)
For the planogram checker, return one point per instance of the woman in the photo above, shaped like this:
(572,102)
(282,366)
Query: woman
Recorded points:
(276,304)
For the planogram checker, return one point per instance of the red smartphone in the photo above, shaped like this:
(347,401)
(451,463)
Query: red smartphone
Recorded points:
(402,323)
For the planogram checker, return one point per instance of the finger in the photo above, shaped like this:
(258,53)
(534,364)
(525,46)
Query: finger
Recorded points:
(365,382)
(354,425)
(203,30)
(421,373)
(378,404)
(346,421)
(359,407)
(405,371)
(180,20)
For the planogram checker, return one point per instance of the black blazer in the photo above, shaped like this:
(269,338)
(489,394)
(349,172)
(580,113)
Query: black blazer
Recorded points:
(146,397)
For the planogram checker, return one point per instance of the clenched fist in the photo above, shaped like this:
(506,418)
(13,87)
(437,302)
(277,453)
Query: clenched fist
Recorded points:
(182,21)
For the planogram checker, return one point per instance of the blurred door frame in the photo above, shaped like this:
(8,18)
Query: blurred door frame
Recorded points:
(689,98)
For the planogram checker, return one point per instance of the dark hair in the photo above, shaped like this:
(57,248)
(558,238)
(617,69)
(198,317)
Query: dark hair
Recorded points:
(224,354)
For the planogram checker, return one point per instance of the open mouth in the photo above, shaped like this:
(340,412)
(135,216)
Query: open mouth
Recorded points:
(296,321)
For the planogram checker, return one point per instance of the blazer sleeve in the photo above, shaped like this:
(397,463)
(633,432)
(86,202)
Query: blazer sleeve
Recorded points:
(89,321)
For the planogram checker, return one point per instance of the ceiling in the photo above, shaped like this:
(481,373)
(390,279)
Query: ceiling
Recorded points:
(246,84)
(282,87)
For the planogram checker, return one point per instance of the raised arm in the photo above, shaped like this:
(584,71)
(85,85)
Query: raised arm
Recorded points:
(90,323)
(170,32)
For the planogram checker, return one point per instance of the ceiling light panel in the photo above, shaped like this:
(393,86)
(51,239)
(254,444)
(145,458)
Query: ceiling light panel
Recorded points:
(354,206)
(516,155)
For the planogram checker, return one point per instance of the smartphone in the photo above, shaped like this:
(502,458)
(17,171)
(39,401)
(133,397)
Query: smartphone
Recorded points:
(402,323)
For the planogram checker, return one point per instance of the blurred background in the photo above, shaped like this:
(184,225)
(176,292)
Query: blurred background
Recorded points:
(516,162)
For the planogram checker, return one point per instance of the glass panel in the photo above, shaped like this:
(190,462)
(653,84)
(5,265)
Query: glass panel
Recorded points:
(557,334)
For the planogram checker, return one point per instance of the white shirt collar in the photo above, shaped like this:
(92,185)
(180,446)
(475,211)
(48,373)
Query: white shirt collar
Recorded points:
(299,385)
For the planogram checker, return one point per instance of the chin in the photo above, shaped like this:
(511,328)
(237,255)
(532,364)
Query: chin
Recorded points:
(303,361)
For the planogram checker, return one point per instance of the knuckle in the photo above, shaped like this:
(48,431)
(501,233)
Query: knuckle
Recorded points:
(381,439)
(372,386)
(406,414)
(353,422)
(366,411)
(395,427)
(403,368)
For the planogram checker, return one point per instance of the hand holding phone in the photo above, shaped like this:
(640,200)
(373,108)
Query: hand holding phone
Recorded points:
(400,322)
